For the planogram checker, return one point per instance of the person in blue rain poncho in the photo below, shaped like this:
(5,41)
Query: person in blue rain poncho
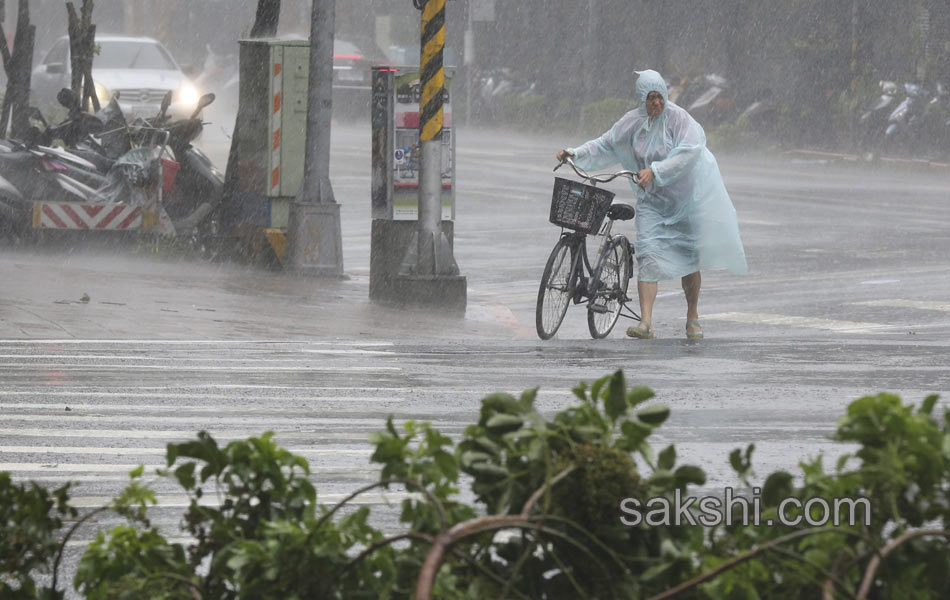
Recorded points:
(685,220)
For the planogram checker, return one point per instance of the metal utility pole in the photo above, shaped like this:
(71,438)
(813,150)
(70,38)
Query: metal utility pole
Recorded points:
(429,269)
(432,90)
(314,237)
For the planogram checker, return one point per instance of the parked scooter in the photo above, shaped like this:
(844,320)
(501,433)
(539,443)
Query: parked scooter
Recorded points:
(29,173)
(874,120)
(33,169)
(198,184)
(490,90)
(715,104)
(933,126)
(902,122)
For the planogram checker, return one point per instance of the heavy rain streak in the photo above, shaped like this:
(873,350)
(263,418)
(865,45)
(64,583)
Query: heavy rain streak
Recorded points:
(304,217)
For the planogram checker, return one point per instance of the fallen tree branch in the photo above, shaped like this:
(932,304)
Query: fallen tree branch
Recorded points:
(875,562)
(736,561)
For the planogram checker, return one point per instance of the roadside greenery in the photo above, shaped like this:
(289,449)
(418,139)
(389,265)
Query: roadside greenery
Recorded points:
(543,520)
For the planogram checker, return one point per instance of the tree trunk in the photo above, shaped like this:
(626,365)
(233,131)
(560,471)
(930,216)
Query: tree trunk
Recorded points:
(82,40)
(267,18)
(17,99)
(265,25)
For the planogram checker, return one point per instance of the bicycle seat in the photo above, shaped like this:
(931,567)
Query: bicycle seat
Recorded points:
(620,212)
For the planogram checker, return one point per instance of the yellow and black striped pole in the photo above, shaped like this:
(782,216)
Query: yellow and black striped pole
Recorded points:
(433,256)
(428,275)
(432,71)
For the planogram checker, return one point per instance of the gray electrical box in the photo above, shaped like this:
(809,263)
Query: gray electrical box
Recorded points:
(272,118)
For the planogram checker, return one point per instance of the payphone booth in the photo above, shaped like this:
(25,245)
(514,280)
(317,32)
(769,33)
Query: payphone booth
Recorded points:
(395,173)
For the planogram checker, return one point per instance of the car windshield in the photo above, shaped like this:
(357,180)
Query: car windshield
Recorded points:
(133,55)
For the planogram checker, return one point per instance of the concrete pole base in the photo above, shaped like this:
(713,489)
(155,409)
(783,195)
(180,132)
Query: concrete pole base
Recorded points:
(316,240)
(391,285)
(439,293)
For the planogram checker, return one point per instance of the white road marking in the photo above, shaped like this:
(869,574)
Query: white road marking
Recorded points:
(14,467)
(74,468)
(36,342)
(162,391)
(301,405)
(901,303)
(204,422)
(803,322)
(172,435)
(161,451)
(209,499)
(746,221)
(45,392)
(215,359)
(250,368)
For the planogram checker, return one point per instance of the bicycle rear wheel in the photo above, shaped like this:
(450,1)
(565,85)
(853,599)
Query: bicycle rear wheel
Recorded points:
(556,290)
(610,291)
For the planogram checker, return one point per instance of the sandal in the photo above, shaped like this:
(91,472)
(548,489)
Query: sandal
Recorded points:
(694,335)
(642,331)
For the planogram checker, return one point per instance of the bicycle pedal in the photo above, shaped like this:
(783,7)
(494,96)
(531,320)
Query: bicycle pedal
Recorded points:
(597,308)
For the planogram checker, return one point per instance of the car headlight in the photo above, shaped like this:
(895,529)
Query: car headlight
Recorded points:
(188,94)
(103,93)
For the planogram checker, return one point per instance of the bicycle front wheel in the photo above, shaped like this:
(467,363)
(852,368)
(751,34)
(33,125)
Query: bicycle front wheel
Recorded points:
(610,290)
(556,290)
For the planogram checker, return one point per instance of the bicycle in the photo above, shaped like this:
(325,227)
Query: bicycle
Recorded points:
(579,209)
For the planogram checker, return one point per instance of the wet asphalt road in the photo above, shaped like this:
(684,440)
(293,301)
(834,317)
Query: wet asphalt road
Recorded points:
(848,294)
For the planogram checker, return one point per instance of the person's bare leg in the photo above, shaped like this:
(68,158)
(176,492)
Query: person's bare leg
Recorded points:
(646,290)
(691,284)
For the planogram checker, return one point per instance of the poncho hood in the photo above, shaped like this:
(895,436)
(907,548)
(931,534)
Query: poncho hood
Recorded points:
(650,81)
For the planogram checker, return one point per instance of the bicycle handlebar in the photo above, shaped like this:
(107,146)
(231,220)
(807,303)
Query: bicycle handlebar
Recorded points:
(602,178)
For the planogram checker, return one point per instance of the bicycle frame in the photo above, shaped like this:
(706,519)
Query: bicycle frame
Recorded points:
(585,277)
(572,276)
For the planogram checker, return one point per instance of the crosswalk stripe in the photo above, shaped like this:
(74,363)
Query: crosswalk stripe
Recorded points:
(112,451)
(247,368)
(181,501)
(178,435)
(793,321)
(901,303)
(216,359)
(302,404)
(248,343)
(162,392)
(19,467)
(202,421)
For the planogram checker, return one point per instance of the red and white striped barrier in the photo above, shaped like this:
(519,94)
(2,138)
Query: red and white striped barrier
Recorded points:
(75,215)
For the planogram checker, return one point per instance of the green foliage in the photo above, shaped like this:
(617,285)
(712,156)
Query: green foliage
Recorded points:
(545,522)
(30,515)
(129,563)
(514,451)
(902,470)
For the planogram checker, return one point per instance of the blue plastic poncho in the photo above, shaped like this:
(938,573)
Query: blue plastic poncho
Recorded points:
(685,220)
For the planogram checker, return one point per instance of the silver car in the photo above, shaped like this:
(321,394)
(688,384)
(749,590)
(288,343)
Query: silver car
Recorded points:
(139,69)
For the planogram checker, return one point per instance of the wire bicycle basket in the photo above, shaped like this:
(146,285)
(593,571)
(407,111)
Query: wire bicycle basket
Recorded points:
(579,206)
